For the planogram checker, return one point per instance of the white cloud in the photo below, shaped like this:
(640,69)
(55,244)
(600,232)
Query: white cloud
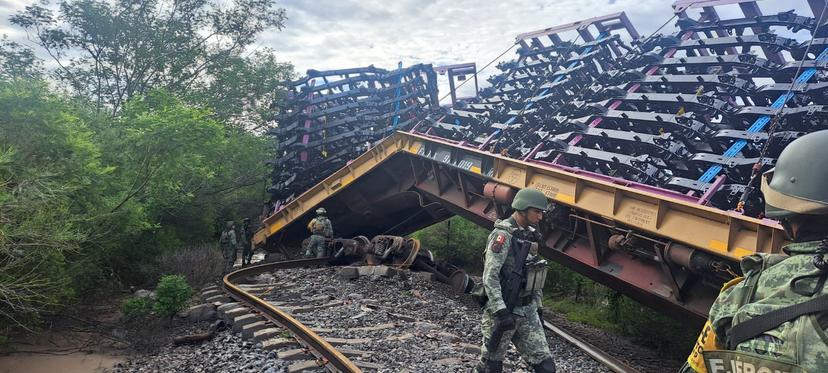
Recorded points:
(330,34)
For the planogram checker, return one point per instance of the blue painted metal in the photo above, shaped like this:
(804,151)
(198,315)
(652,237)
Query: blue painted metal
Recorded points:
(762,121)
(529,104)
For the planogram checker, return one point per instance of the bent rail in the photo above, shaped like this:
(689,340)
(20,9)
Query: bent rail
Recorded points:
(327,354)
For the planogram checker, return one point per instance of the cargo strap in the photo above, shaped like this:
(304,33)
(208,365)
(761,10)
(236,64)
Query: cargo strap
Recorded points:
(762,323)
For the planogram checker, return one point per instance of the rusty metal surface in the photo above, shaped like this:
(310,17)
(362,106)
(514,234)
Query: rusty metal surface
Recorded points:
(328,356)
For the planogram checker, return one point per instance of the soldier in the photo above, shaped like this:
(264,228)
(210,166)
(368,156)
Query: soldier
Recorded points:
(228,245)
(520,322)
(246,238)
(320,228)
(774,318)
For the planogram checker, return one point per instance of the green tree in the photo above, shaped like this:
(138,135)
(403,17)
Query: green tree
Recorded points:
(48,164)
(89,202)
(457,241)
(182,170)
(110,52)
(17,61)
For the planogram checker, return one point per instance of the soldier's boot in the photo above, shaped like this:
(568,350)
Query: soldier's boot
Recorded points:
(489,366)
(545,366)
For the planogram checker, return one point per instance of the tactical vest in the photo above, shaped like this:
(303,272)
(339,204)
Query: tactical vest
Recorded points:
(771,319)
(534,273)
(317,226)
(533,276)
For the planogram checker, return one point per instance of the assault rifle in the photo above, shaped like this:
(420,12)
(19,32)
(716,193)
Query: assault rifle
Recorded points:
(513,282)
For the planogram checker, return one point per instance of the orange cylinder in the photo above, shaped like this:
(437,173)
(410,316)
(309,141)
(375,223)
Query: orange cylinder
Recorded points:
(501,193)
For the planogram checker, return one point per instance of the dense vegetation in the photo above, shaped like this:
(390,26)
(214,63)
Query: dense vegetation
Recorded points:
(571,294)
(137,137)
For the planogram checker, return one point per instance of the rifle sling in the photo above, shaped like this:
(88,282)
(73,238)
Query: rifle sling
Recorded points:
(762,323)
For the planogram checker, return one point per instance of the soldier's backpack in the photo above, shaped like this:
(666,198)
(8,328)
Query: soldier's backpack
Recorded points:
(770,321)
(317,226)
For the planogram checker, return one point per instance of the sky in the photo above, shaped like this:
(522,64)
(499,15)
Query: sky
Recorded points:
(333,34)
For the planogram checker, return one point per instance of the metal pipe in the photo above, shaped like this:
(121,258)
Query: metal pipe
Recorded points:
(501,193)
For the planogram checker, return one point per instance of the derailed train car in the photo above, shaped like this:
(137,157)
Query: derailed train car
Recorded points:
(649,146)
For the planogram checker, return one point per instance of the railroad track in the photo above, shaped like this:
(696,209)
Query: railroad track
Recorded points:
(255,314)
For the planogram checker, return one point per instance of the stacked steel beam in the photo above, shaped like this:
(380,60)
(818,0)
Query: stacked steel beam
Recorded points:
(333,116)
(683,112)
(700,112)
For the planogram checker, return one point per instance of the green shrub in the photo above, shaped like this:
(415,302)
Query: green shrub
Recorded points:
(172,294)
(456,240)
(137,307)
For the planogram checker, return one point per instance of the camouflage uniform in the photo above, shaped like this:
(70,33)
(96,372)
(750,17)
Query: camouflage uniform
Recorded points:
(228,246)
(771,320)
(320,228)
(528,335)
(246,238)
(768,286)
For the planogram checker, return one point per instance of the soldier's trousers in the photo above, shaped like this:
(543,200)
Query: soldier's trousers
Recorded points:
(247,255)
(527,336)
(229,254)
(316,246)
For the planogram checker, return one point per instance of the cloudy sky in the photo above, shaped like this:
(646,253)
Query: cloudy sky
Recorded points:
(329,34)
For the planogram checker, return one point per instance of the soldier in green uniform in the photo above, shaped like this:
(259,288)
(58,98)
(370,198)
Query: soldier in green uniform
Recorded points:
(246,237)
(522,324)
(775,318)
(228,244)
(320,228)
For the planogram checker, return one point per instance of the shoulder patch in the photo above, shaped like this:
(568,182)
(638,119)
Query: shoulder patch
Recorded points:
(498,242)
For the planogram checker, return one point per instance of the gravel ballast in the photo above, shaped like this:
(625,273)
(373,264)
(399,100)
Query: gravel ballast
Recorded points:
(401,323)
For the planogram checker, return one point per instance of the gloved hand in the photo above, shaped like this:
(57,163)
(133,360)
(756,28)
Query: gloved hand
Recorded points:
(504,319)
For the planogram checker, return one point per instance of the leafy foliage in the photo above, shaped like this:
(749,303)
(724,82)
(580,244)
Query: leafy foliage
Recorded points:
(154,147)
(89,202)
(110,52)
(137,307)
(172,294)
(47,160)
(18,61)
(456,240)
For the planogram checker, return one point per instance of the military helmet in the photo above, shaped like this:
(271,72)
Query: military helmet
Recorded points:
(230,224)
(320,211)
(529,197)
(797,185)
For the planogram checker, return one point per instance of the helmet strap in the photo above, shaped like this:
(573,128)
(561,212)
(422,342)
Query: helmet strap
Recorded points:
(522,218)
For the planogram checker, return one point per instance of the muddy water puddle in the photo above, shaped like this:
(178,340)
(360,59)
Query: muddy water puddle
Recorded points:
(76,362)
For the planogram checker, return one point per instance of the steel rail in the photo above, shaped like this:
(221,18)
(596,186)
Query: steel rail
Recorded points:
(330,357)
(595,353)
(326,354)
